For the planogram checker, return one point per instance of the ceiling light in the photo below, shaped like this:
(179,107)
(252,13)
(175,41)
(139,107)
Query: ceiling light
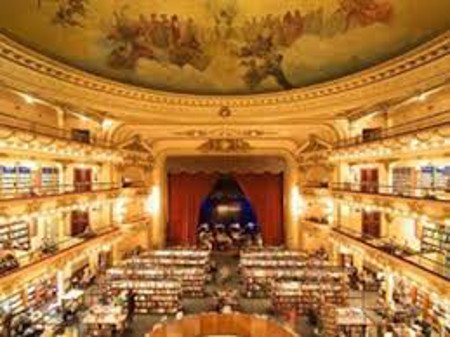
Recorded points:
(28,98)
(107,123)
(422,97)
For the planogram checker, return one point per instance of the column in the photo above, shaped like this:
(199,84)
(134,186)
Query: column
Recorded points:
(60,118)
(293,228)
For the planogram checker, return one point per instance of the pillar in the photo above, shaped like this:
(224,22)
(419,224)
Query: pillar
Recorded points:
(390,285)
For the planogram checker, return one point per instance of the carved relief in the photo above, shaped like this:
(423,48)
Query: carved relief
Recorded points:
(34,207)
(224,133)
(225,145)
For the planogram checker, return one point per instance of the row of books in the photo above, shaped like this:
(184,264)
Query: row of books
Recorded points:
(287,295)
(157,297)
(192,279)
(15,235)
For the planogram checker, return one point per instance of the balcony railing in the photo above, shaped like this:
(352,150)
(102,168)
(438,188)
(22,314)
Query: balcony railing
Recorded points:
(26,192)
(404,191)
(404,253)
(421,124)
(49,249)
(315,184)
(317,220)
(19,124)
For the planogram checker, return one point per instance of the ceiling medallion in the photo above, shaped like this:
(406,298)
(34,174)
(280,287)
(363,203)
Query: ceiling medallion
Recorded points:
(225,112)
(225,145)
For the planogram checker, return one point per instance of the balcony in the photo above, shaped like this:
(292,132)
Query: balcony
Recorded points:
(316,221)
(429,123)
(315,184)
(407,192)
(39,192)
(315,188)
(23,125)
(425,137)
(423,260)
(52,251)
(22,136)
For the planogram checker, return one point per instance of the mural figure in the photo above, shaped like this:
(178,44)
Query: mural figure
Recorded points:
(223,47)
(262,53)
(365,12)
(261,41)
(224,24)
(70,13)
(159,38)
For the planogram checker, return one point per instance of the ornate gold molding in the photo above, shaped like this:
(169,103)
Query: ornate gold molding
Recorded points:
(20,55)
(225,145)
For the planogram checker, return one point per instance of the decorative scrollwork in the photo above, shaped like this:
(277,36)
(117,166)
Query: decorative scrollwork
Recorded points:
(225,145)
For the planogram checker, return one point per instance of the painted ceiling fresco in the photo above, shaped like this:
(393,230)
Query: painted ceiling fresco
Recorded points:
(223,46)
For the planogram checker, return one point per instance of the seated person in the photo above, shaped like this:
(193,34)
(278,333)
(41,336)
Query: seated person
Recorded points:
(258,241)
(222,239)
(237,234)
(206,240)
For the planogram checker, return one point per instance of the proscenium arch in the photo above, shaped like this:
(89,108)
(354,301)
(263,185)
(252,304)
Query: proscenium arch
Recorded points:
(159,180)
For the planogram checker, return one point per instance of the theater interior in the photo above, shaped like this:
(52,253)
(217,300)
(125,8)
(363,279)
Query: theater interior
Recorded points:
(225,168)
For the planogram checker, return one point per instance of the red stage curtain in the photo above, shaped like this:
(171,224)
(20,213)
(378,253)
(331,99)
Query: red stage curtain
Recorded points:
(186,193)
(265,192)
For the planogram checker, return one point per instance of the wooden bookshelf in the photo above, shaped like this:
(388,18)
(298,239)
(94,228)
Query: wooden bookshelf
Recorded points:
(304,296)
(157,297)
(256,279)
(192,279)
(15,235)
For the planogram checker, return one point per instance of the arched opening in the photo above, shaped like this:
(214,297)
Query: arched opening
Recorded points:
(227,219)
(190,180)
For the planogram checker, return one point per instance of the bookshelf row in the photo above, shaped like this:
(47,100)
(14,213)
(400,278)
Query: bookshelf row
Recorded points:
(157,297)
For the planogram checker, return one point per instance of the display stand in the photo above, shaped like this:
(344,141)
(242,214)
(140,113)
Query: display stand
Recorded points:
(104,321)
(345,321)
(73,300)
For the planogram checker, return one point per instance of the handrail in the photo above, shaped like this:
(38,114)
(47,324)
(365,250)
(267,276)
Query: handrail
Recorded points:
(389,249)
(20,124)
(316,220)
(315,184)
(16,192)
(399,130)
(404,191)
(38,255)
(56,248)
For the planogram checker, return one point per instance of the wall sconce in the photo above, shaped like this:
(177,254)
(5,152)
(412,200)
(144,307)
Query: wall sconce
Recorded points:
(28,98)
(153,201)
(107,124)
(297,202)
(120,209)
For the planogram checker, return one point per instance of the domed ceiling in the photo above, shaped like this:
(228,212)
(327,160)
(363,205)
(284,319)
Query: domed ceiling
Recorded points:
(223,46)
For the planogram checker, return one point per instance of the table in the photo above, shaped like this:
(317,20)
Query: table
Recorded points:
(109,317)
(350,318)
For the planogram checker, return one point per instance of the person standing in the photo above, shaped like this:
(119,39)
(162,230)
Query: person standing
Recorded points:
(131,305)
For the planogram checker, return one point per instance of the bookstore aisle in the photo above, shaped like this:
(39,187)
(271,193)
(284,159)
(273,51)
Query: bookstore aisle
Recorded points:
(226,283)
(142,324)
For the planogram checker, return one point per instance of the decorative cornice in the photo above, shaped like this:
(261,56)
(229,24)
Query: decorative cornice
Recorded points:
(221,132)
(20,55)
(225,145)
